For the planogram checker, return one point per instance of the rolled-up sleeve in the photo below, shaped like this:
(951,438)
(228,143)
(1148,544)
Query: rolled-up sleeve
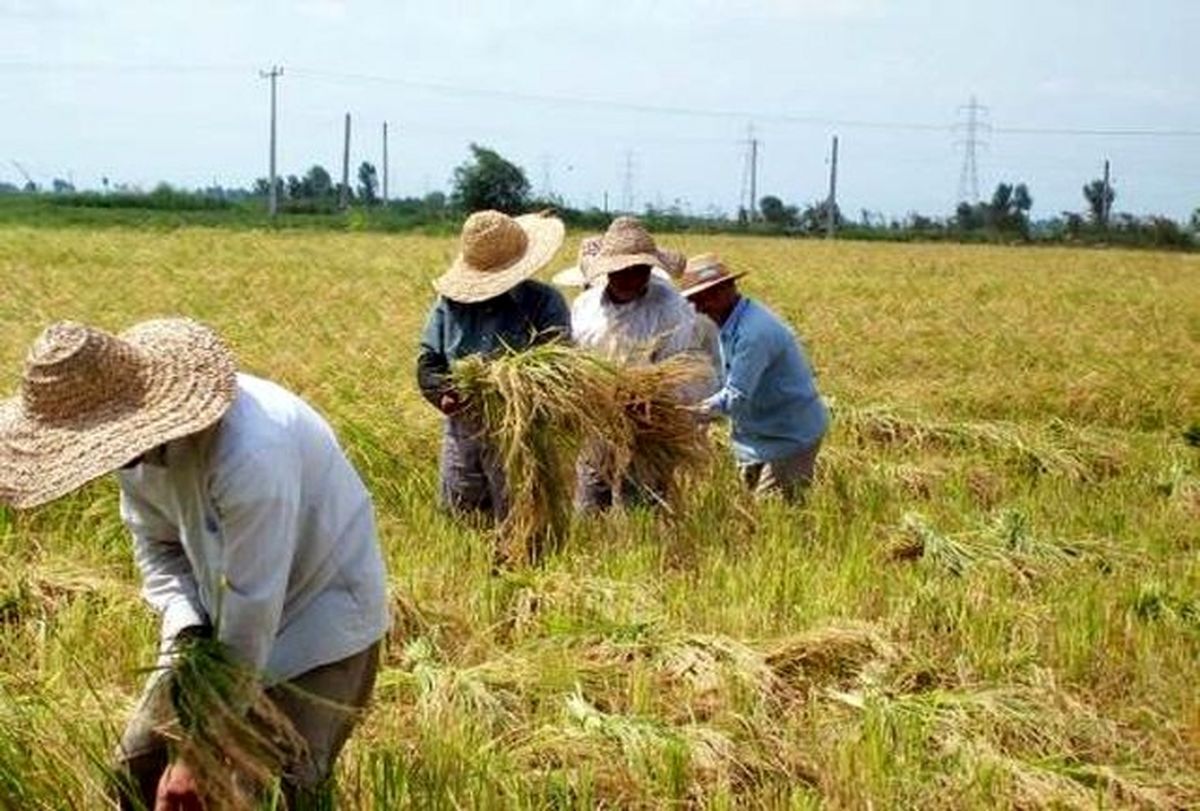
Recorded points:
(258,504)
(168,583)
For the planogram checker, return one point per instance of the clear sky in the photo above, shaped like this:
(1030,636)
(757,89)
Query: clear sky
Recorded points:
(148,90)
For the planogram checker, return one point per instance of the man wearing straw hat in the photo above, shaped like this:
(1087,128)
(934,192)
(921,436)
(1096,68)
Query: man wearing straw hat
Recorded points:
(673,264)
(487,304)
(768,392)
(249,525)
(631,313)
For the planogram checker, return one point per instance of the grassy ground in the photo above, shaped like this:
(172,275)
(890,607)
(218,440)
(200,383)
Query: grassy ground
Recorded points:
(991,600)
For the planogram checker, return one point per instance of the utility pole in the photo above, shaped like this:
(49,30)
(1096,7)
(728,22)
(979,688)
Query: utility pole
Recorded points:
(385,165)
(344,199)
(968,179)
(273,193)
(831,205)
(753,208)
(1105,201)
(627,187)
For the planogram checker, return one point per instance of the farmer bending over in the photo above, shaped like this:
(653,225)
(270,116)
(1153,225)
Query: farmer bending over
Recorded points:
(632,314)
(488,303)
(777,415)
(248,523)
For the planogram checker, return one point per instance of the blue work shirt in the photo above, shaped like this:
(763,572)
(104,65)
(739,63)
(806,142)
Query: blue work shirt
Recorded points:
(530,313)
(768,391)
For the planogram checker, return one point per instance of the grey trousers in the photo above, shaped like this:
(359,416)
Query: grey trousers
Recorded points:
(323,704)
(471,473)
(594,493)
(788,477)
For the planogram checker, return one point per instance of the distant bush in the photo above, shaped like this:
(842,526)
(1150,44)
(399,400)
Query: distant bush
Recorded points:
(163,198)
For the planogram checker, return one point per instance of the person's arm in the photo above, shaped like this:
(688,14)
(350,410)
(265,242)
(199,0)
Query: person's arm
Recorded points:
(258,503)
(751,355)
(168,582)
(433,366)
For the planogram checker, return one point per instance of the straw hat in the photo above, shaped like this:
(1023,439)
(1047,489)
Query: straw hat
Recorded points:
(577,274)
(589,248)
(673,263)
(704,271)
(626,243)
(91,402)
(498,252)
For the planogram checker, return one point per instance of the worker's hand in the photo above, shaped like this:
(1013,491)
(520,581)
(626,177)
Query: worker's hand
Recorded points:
(177,790)
(450,403)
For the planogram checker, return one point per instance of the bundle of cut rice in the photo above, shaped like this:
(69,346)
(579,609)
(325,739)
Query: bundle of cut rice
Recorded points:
(543,406)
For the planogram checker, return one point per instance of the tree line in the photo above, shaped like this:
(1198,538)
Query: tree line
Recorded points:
(488,180)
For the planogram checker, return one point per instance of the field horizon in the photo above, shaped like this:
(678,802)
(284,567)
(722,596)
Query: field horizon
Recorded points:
(990,600)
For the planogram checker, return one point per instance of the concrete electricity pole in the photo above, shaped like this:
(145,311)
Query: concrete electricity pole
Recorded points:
(753,176)
(385,165)
(344,198)
(273,193)
(831,205)
(1105,201)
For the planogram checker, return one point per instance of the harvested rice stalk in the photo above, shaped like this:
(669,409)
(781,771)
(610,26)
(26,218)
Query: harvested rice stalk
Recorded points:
(544,405)
(224,726)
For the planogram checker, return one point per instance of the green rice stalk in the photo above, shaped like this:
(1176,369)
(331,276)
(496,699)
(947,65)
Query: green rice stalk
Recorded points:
(225,727)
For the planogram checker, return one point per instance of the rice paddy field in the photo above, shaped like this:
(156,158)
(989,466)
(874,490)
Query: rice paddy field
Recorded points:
(990,600)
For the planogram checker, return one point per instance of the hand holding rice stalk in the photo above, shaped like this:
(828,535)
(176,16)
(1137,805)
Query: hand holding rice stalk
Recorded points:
(224,726)
(545,405)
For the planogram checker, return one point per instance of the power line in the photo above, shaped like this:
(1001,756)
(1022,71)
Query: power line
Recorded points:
(637,107)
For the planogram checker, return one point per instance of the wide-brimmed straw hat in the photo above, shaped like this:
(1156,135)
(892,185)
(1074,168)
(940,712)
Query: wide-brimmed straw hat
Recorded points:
(577,274)
(673,263)
(626,243)
(91,402)
(704,271)
(498,252)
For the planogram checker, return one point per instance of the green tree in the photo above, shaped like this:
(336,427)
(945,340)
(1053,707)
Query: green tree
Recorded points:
(368,183)
(775,212)
(1099,203)
(317,183)
(489,181)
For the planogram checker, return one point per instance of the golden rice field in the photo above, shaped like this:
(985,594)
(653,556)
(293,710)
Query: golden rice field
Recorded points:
(991,600)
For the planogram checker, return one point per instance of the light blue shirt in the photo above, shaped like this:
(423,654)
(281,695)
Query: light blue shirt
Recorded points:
(261,527)
(768,390)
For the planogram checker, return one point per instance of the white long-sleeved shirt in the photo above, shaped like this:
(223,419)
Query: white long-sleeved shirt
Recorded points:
(261,527)
(651,328)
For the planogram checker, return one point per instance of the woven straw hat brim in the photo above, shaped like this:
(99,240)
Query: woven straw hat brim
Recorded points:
(575,277)
(191,380)
(688,292)
(604,265)
(465,284)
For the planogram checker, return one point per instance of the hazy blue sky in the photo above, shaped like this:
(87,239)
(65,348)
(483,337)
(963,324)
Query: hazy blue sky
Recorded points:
(142,90)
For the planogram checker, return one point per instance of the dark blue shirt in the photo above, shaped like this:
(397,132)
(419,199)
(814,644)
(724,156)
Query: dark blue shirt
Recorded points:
(528,314)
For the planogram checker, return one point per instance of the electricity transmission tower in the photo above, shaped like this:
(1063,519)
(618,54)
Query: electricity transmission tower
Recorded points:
(973,126)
